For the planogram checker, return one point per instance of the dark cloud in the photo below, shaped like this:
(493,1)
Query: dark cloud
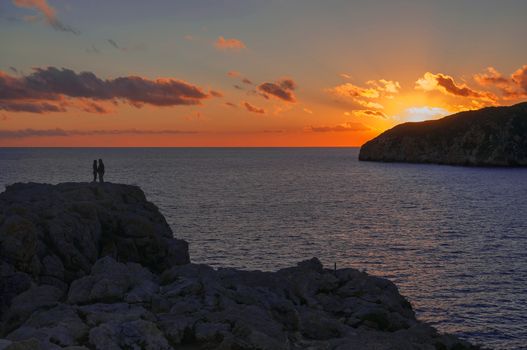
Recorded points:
(450,86)
(31,107)
(47,12)
(113,43)
(22,133)
(13,69)
(253,109)
(236,86)
(370,113)
(247,81)
(348,126)
(215,93)
(230,104)
(51,84)
(282,89)
(93,49)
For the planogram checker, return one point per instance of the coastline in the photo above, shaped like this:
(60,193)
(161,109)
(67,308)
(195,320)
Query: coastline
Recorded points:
(84,263)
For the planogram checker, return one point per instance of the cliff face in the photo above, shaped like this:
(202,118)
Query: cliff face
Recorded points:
(492,136)
(91,266)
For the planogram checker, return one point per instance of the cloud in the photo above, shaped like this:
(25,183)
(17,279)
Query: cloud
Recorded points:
(345,76)
(23,133)
(49,13)
(388,86)
(447,85)
(253,109)
(45,88)
(215,93)
(93,49)
(233,74)
(247,81)
(370,113)
(367,97)
(511,88)
(31,107)
(520,78)
(350,90)
(344,127)
(282,89)
(229,44)
(114,44)
(491,77)
(230,104)
(308,111)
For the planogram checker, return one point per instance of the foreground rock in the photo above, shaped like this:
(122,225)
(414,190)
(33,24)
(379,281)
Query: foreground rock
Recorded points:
(90,266)
(492,136)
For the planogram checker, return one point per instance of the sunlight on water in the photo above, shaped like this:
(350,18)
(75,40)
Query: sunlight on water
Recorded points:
(454,239)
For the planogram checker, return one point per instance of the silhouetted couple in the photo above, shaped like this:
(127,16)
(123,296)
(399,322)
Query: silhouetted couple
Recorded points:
(98,170)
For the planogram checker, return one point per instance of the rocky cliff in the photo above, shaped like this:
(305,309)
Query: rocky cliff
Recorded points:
(492,136)
(95,266)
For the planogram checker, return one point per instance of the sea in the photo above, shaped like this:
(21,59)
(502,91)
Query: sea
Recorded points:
(453,239)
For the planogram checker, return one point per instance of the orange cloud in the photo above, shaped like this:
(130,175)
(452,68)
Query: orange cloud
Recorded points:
(370,113)
(47,11)
(447,85)
(253,109)
(282,89)
(350,90)
(23,133)
(51,90)
(520,78)
(229,44)
(344,127)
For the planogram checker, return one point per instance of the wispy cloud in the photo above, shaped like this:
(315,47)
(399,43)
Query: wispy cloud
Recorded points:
(229,44)
(344,127)
(47,12)
(252,108)
(24,133)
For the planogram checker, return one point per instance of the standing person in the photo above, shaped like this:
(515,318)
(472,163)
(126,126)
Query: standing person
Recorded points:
(100,171)
(95,171)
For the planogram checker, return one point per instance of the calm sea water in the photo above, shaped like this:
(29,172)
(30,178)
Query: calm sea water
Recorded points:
(454,239)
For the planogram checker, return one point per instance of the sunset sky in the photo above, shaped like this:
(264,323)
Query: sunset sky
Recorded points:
(249,73)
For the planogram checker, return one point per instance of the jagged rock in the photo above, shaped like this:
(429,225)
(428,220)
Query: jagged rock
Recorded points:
(29,301)
(111,281)
(492,136)
(137,334)
(63,229)
(102,272)
(60,325)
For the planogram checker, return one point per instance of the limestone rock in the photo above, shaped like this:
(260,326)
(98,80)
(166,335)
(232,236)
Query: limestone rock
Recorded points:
(492,136)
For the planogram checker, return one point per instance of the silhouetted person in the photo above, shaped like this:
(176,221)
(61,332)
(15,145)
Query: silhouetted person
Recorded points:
(100,171)
(94,171)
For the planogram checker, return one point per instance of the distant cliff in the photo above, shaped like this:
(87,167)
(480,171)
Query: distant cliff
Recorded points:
(94,266)
(492,136)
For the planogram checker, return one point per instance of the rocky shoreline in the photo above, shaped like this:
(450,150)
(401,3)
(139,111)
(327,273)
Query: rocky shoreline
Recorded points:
(95,266)
(492,136)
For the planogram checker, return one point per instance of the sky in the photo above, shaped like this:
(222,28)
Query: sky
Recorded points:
(245,73)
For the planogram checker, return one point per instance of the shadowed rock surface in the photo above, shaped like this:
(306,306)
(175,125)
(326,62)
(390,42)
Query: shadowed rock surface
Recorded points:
(492,136)
(94,266)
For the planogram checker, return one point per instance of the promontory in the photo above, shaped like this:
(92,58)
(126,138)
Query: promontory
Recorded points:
(88,266)
(492,136)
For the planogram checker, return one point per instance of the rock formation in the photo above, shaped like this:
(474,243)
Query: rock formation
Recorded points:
(492,136)
(94,266)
